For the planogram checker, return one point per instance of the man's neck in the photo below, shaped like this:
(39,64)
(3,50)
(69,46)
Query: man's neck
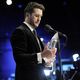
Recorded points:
(30,27)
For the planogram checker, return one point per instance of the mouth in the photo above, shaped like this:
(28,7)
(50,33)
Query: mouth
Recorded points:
(38,23)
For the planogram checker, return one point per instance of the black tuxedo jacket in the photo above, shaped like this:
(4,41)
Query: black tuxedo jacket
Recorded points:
(25,48)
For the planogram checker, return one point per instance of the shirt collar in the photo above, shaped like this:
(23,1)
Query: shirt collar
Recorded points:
(30,27)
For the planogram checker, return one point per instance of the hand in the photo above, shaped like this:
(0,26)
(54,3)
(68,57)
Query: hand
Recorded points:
(49,62)
(53,50)
(48,53)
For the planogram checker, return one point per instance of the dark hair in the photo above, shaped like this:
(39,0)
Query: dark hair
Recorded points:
(31,5)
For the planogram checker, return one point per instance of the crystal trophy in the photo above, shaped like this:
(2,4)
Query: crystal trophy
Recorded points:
(52,44)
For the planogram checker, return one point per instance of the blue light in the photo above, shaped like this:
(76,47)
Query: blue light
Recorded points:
(6,59)
(20,5)
(67,67)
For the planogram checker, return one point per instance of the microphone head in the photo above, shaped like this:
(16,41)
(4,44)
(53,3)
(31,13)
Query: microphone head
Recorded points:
(51,30)
(47,26)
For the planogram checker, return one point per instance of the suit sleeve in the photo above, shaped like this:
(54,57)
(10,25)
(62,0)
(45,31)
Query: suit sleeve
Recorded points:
(20,49)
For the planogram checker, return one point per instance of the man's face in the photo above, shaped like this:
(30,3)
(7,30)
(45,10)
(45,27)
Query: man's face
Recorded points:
(35,17)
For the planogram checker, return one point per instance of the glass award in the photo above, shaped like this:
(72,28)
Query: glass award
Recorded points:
(52,44)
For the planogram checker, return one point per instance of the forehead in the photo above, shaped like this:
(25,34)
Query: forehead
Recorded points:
(38,11)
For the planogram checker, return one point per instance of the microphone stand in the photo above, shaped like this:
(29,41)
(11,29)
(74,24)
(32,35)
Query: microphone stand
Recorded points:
(51,30)
(59,58)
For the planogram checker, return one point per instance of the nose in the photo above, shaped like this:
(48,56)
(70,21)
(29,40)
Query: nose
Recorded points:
(39,18)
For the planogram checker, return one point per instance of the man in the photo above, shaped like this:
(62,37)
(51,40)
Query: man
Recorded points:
(28,50)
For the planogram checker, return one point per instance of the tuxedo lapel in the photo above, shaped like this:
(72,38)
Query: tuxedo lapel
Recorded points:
(34,37)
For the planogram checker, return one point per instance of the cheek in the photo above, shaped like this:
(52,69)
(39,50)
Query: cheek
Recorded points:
(35,18)
(31,19)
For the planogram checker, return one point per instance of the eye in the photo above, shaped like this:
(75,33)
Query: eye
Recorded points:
(36,15)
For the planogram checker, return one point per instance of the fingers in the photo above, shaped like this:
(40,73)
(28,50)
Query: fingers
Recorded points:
(49,53)
(53,51)
(46,47)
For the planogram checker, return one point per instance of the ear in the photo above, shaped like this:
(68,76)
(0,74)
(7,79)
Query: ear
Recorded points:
(27,16)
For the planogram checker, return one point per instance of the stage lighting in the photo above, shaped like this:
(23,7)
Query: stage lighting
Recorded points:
(47,72)
(54,72)
(12,77)
(42,39)
(8,2)
(75,57)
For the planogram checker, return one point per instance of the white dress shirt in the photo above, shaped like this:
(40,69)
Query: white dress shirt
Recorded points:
(39,58)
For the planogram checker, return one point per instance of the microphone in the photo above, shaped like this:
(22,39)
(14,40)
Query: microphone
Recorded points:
(50,29)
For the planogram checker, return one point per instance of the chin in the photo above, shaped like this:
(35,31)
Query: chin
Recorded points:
(36,25)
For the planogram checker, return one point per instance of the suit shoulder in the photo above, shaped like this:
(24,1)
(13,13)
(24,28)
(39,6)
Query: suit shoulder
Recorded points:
(23,27)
